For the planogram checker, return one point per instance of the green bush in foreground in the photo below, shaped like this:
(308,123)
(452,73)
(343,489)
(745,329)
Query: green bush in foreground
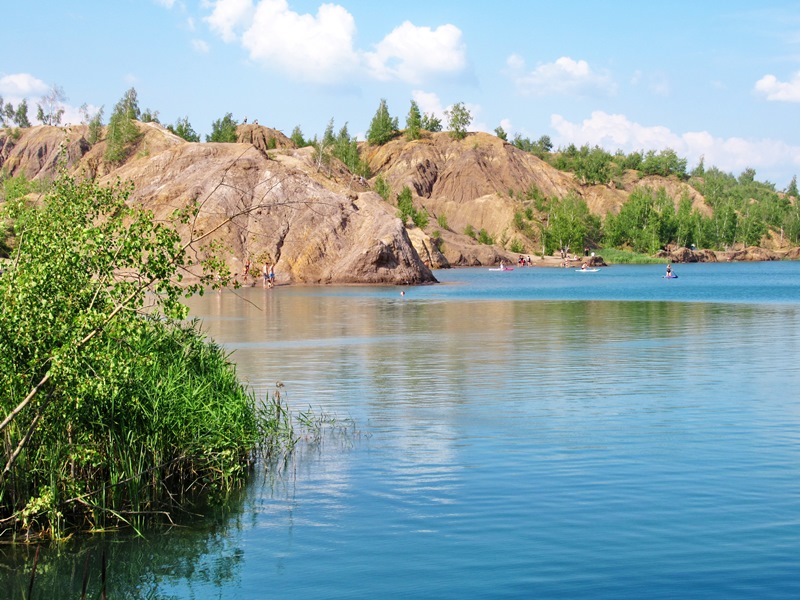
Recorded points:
(112,412)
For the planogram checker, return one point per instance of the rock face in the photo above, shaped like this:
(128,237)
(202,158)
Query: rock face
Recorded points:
(264,205)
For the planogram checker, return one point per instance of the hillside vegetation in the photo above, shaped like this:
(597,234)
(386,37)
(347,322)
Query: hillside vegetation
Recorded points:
(337,210)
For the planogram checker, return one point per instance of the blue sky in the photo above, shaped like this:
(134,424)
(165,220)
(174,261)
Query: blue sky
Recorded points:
(712,79)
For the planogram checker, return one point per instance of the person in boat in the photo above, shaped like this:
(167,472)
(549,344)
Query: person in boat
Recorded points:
(669,270)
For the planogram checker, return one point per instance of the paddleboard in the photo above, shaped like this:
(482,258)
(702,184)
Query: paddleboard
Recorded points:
(670,276)
(503,269)
(586,270)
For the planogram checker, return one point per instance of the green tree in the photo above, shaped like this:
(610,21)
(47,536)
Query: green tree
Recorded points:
(223,130)
(569,224)
(149,116)
(183,128)
(51,109)
(382,187)
(413,122)
(122,129)
(501,133)
(297,137)
(458,119)
(431,122)
(405,205)
(792,189)
(21,114)
(383,127)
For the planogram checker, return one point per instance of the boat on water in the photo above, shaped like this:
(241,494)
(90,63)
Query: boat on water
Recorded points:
(502,268)
(586,270)
(670,276)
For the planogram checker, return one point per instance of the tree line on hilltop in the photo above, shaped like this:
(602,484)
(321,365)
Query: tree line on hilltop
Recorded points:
(744,210)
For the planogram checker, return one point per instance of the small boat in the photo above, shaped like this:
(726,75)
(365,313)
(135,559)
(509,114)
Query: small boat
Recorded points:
(503,269)
(586,270)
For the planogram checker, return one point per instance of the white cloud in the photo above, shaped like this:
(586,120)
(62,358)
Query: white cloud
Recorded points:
(782,91)
(617,132)
(166,3)
(321,47)
(228,16)
(429,103)
(200,46)
(564,76)
(308,47)
(21,85)
(411,53)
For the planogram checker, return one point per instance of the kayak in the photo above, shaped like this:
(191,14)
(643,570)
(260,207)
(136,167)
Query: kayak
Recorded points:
(503,269)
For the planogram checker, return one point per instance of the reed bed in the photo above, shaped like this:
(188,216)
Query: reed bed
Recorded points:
(168,434)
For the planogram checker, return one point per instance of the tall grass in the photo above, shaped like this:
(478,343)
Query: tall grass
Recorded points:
(171,433)
(626,257)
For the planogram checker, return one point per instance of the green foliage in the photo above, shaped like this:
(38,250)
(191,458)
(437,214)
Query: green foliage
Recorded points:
(95,123)
(18,116)
(664,163)
(405,205)
(122,129)
(792,189)
(431,122)
(442,221)
(501,133)
(569,224)
(539,148)
(383,127)
(345,149)
(413,122)
(469,231)
(646,222)
(458,119)
(223,130)
(112,408)
(590,165)
(382,188)
(517,247)
(484,237)
(298,139)
(184,129)
(149,116)
(421,218)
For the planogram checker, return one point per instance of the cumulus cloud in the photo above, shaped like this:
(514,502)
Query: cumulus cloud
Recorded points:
(781,91)
(229,16)
(321,47)
(411,53)
(617,132)
(564,76)
(309,47)
(21,85)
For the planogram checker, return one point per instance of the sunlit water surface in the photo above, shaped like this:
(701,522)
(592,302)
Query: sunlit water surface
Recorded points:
(537,433)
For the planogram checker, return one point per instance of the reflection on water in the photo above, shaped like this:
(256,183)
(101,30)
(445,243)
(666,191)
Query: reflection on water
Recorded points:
(507,446)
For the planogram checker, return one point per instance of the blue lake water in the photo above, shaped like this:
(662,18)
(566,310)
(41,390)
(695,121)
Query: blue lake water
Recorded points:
(535,433)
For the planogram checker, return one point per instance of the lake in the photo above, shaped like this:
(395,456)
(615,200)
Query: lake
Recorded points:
(534,433)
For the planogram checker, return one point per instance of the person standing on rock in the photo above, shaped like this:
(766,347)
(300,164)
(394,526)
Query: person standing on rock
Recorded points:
(265,271)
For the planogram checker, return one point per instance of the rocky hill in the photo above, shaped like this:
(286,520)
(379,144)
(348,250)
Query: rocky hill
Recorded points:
(268,200)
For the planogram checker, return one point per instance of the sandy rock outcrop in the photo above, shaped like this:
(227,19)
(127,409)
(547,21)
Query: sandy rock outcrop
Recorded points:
(260,207)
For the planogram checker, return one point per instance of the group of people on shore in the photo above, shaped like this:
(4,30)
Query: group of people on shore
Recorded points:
(267,273)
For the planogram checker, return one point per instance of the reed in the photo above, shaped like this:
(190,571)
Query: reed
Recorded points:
(172,432)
